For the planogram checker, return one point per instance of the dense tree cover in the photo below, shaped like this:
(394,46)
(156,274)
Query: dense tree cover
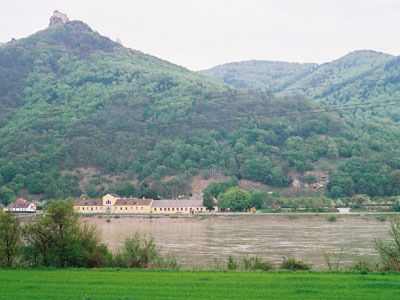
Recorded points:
(260,75)
(234,199)
(358,77)
(74,99)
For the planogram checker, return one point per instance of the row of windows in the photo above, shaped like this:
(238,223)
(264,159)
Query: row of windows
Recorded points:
(178,209)
(91,208)
(100,208)
(97,208)
(126,208)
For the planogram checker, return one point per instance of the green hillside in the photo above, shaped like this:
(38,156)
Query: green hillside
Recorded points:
(260,75)
(358,77)
(72,99)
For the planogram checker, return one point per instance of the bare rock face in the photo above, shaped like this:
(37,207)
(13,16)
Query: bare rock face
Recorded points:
(58,17)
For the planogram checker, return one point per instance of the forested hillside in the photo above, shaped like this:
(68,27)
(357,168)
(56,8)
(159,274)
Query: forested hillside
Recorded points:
(358,77)
(260,75)
(72,99)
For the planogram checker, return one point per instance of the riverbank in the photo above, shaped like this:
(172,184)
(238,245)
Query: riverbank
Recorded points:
(110,284)
(373,216)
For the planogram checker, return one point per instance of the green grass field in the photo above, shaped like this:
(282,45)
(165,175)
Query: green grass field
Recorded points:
(147,284)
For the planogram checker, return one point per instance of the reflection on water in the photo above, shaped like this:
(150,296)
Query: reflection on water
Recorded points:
(195,243)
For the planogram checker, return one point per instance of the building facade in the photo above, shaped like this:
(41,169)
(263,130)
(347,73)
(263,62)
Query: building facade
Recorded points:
(21,205)
(115,204)
(180,207)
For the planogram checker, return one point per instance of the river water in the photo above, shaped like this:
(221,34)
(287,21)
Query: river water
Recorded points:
(196,242)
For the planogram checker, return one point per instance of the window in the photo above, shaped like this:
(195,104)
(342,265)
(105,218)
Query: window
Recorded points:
(201,208)
(142,208)
(155,209)
(79,208)
(173,209)
(120,208)
(108,202)
(185,208)
(126,207)
(168,208)
(83,208)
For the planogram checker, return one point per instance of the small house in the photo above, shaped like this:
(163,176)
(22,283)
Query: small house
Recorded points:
(21,205)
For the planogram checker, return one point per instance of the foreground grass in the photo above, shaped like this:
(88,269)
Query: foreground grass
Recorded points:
(147,284)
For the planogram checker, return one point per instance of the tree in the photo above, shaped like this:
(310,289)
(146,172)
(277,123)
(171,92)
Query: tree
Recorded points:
(215,188)
(389,251)
(333,152)
(138,252)
(91,191)
(6,195)
(208,200)
(10,238)
(60,239)
(257,198)
(257,169)
(126,190)
(234,199)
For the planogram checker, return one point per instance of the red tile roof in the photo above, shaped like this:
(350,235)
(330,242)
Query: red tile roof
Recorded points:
(21,203)
(132,201)
(89,202)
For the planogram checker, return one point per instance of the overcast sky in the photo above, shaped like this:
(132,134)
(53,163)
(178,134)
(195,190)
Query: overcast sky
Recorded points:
(204,33)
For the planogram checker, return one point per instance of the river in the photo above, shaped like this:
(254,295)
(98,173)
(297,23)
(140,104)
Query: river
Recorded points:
(196,242)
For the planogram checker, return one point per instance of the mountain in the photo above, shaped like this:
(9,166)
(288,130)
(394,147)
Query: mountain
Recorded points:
(80,114)
(260,75)
(358,77)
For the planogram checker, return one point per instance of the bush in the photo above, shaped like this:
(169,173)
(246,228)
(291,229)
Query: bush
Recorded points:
(364,265)
(389,250)
(310,178)
(138,252)
(333,259)
(167,263)
(331,218)
(255,263)
(290,263)
(381,218)
(232,263)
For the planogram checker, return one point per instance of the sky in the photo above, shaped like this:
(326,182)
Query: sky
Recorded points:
(205,33)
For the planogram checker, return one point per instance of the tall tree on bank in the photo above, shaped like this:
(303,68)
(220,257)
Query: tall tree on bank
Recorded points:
(10,238)
(208,200)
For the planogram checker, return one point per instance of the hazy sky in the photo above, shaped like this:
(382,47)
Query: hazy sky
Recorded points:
(204,33)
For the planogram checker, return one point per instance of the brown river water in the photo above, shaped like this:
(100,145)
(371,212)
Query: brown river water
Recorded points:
(195,242)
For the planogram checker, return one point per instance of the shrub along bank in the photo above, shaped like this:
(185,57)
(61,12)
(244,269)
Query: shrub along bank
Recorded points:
(61,239)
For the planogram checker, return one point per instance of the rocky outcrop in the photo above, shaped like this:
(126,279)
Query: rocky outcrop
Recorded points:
(58,17)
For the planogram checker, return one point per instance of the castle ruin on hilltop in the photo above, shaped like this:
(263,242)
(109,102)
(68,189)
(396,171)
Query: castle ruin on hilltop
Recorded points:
(58,17)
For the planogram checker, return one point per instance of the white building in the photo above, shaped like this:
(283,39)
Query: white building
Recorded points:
(21,205)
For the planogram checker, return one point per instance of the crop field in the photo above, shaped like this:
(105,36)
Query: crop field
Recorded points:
(74,284)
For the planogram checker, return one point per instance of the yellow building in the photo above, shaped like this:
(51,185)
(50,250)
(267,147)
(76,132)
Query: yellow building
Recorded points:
(114,204)
(133,206)
(180,207)
(90,206)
